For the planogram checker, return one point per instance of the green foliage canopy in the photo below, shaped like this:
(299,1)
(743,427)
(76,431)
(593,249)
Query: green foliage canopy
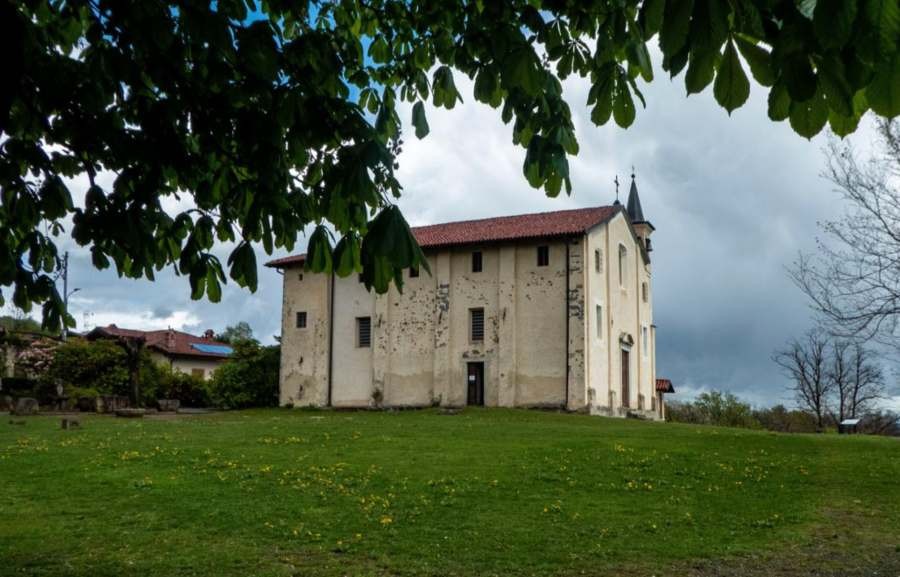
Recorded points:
(100,366)
(272,122)
(249,378)
(236,333)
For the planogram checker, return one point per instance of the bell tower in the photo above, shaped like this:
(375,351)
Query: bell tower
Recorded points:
(642,226)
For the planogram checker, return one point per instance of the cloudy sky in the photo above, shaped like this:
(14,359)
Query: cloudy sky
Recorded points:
(733,200)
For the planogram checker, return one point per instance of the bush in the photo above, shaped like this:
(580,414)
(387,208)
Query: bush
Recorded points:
(780,418)
(190,390)
(713,408)
(249,378)
(160,381)
(100,365)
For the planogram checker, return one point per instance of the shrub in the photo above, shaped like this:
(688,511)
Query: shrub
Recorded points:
(101,365)
(713,408)
(249,378)
(160,381)
(190,390)
(780,418)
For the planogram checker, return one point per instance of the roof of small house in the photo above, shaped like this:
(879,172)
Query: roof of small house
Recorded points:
(170,342)
(559,223)
(664,386)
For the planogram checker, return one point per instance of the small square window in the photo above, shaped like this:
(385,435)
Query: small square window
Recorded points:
(476,261)
(413,272)
(476,325)
(301,319)
(364,332)
(543,255)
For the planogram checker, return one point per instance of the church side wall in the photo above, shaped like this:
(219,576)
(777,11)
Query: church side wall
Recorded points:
(421,339)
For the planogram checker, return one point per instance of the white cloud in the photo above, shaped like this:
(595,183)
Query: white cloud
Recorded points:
(141,320)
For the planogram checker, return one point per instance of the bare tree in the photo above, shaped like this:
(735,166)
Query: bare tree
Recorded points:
(854,280)
(805,362)
(866,384)
(840,374)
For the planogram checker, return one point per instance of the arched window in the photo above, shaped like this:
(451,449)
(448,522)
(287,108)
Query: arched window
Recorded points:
(623,254)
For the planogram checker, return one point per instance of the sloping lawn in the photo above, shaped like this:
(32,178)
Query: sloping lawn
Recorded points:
(483,492)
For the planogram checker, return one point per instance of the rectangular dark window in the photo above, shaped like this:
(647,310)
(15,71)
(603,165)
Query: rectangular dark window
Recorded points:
(364,332)
(476,261)
(543,255)
(413,272)
(476,324)
(301,319)
(198,373)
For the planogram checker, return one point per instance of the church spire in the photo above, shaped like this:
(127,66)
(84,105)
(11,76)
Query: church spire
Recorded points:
(635,212)
(642,227)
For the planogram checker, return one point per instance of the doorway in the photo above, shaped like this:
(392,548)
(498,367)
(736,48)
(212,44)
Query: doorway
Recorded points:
(475,383)
(626,378)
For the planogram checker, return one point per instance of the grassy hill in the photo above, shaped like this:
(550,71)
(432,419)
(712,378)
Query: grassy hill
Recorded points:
(420,493)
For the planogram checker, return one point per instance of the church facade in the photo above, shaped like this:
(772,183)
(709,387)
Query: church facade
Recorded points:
(539,310)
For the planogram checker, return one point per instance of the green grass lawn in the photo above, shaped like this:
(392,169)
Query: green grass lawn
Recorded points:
(500,492)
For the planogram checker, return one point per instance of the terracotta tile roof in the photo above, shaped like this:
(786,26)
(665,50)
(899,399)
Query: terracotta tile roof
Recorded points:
(169,341)
(664,386)
(502,228)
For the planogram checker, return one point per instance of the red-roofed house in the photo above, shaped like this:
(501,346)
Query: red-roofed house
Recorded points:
(550,310)
(184,352)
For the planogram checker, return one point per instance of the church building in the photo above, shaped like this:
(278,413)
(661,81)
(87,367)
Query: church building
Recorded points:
(547,310)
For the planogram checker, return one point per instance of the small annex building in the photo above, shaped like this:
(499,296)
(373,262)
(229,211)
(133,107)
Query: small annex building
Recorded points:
(184,352)
(548,310)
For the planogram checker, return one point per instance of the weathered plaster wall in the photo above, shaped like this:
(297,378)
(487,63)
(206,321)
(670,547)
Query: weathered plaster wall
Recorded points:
(470,290)
(304,351)
(405,337)
(540,326)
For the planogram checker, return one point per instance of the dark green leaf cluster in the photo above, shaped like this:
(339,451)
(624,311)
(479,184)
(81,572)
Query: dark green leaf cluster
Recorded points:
(261,127)
(249,378)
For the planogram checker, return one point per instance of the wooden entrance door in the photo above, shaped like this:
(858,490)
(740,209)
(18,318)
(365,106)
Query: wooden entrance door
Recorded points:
(475,383)
(626,378)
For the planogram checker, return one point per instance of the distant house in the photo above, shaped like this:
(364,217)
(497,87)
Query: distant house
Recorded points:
(184,352)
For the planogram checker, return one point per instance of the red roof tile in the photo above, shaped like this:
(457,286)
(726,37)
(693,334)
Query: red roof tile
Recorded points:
(166,341)
(503,228)
(664,386)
